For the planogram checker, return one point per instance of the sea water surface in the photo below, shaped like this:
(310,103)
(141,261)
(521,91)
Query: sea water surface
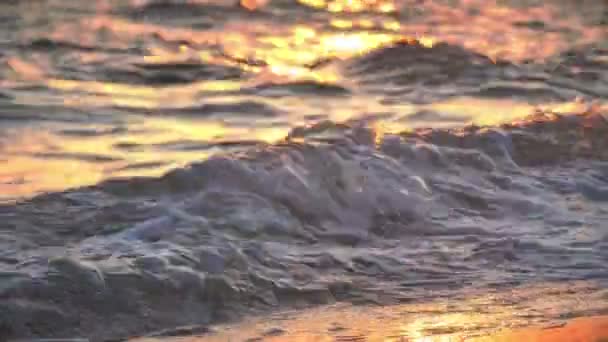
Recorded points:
(170,163)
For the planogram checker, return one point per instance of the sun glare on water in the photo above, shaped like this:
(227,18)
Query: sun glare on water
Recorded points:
(267,52)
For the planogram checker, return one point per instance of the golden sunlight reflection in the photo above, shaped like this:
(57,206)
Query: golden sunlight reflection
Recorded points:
(461,111)
(482,318)
(299,45)
(92,94)
(268,52)
(343,45)
(350,24)
(486,112)
(39,161)
(25,70)
(286,54)
(25,176)
(592,329)
(353,6)
(287,50)
(253,4)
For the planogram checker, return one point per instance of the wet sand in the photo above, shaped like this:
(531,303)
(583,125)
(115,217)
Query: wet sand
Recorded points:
(581,329)
(476,318)
(585,329)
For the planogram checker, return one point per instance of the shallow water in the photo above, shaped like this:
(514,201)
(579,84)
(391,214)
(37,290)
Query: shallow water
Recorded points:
(170,163)
(465,320)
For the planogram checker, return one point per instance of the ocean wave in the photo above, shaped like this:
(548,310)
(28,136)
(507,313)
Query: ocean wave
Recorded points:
(333,213)
(412,71)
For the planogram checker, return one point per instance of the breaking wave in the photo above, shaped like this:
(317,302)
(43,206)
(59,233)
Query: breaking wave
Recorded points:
(332,213)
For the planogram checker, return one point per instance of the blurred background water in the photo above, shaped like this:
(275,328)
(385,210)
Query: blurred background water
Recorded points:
(91,90)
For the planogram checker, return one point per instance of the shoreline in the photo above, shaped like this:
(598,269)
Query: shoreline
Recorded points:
(386,324)
(592,329)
